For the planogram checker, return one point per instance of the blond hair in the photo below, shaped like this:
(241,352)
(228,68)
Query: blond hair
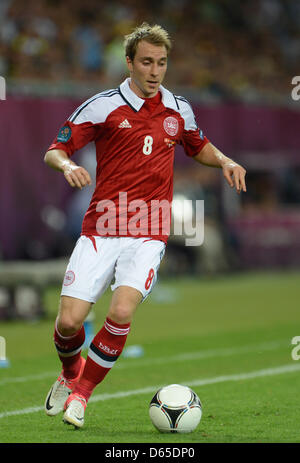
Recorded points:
(152,34)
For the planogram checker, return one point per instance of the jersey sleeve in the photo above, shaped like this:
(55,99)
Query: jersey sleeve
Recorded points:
(82,127)
(192,139)
(71,137)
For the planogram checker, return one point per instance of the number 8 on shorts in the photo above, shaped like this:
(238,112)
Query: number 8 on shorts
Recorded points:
(149,279)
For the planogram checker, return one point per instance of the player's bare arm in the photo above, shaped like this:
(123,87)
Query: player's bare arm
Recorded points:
(75,175)
(233,172)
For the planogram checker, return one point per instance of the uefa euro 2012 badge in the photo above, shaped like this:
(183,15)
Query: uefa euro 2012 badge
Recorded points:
(64,134)
(4,362)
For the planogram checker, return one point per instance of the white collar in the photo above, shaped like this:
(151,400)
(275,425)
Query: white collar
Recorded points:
(135,102)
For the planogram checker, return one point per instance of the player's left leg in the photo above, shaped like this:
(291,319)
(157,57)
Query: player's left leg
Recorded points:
(135,276)
(104,351)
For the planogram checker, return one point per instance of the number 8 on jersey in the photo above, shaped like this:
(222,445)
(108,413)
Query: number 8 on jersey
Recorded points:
(148,142)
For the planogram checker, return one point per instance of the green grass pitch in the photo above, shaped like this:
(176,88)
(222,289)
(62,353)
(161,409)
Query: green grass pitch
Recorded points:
(228,338)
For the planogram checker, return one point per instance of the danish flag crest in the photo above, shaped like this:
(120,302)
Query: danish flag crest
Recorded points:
(171,126)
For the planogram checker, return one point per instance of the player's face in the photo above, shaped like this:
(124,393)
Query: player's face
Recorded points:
(148,68)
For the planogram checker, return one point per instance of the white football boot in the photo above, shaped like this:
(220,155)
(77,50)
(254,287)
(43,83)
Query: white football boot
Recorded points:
(60,391)
(75,407)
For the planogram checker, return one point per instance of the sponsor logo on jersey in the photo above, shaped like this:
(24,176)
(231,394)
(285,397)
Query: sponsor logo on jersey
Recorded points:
(69,278)
(169,142)
(125,125)
(64,134)
(171,126)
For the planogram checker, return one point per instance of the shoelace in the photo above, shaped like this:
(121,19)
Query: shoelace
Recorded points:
(66,382)
(60,391)
(77,403)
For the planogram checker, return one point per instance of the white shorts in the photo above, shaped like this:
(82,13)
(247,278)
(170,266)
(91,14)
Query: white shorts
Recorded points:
(95,261)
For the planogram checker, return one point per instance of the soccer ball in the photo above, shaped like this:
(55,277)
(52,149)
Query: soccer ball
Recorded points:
(175,408)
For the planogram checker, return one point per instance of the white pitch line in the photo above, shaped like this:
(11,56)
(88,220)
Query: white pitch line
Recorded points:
(290,368)
(25,379)
(203,354)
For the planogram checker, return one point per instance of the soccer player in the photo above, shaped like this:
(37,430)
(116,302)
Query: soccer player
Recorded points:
(135,128)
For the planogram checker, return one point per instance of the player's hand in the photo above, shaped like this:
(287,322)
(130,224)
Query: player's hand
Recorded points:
(235,176)
(76,176)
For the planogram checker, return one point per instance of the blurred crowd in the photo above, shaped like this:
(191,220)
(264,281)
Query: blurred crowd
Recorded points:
(229,49)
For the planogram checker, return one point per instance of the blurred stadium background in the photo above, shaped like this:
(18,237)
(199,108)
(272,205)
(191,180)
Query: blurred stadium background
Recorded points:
(234,60)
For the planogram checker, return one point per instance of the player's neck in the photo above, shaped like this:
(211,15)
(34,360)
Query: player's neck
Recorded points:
(156,97)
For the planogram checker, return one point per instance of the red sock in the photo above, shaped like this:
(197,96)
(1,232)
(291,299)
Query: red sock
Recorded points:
(69,351)
(104,350)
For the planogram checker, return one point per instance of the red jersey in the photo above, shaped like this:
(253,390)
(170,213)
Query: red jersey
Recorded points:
(135,141)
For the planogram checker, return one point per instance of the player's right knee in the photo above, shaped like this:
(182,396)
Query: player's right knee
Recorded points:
(67,326)
(71,315)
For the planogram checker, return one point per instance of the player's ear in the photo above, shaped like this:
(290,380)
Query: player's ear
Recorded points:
(129,63)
